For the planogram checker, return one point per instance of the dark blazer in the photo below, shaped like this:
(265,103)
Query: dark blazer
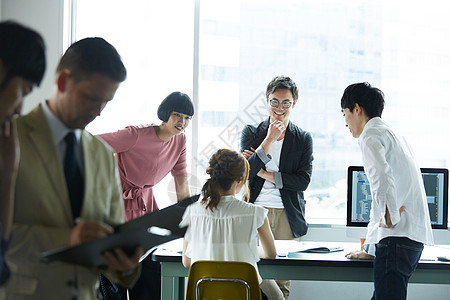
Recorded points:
(295,168)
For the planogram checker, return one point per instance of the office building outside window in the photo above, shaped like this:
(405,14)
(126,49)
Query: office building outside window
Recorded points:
(322,45)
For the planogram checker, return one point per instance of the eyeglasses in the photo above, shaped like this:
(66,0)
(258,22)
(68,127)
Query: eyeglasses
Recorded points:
(284,103)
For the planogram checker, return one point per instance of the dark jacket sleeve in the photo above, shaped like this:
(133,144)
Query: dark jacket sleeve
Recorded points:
(4,269)
(299,179)
(247,135)
(250,139)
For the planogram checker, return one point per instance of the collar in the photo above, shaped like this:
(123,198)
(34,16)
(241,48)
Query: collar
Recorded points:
(374,122)
(57,128)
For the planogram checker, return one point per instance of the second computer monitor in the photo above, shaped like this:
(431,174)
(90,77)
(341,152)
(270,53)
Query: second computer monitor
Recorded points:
(359,198)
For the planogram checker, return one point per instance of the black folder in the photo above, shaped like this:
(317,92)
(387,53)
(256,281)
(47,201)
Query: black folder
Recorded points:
(148,231)
(322,250)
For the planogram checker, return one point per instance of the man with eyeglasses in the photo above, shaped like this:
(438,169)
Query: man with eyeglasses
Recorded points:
(280,157)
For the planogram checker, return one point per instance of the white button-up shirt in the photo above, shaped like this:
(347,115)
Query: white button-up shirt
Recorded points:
(395,180)
(59,131)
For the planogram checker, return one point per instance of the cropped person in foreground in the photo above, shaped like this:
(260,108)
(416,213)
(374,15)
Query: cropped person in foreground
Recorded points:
(22,66)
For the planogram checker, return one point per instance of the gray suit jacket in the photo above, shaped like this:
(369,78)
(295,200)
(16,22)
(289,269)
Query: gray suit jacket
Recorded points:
(43,217)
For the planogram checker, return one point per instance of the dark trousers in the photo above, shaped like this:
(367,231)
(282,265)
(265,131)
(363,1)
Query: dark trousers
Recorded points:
(263,296)
(148,286)
(395,261)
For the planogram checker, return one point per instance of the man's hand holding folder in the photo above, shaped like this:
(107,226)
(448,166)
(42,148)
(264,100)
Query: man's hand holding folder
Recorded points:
(116,259)
(121,246)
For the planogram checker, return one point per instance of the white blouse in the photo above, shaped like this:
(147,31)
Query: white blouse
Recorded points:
(229,232)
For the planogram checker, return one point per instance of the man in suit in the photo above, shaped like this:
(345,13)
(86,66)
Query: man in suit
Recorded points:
(280,157)
(22,66)
(68,187)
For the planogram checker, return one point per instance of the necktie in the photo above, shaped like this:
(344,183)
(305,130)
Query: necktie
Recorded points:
(74,180)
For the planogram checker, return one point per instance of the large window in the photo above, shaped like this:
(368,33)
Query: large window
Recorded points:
(242,44)
(155,40)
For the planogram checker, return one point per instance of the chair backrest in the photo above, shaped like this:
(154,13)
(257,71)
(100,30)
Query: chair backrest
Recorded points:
(225,280)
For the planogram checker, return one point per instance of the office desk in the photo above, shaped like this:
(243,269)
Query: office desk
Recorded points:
(305,266)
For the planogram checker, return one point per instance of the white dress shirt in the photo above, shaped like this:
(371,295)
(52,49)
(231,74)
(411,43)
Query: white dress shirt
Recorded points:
(395,180)
(228,233)
(270,195)
(59,131)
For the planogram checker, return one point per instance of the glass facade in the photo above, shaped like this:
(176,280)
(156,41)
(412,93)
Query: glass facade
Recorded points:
(322,45)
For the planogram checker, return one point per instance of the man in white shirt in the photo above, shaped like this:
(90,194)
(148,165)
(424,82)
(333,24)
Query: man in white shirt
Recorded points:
(399,218)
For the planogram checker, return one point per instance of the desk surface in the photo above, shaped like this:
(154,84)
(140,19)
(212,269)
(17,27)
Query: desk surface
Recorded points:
(332,266)
(290,253)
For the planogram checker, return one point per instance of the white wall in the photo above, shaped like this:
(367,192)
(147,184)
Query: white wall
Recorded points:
(46,17)
(341,233)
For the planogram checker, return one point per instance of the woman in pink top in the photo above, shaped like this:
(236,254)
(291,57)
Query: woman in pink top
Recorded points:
(146,154)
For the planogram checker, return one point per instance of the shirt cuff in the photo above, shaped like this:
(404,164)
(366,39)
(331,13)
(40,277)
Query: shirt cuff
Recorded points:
(262,155)
(395,218)
(278,180)
(370,249)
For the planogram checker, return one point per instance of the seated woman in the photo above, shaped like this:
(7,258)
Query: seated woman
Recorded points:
(220,224)
(146,154)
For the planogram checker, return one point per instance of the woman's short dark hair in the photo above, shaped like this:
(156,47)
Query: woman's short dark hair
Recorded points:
(22,52)
(370,98)
(178,102)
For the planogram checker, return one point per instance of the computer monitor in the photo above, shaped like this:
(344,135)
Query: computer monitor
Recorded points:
(359,198)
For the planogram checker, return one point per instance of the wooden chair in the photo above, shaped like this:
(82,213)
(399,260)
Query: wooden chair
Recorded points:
(224,280)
